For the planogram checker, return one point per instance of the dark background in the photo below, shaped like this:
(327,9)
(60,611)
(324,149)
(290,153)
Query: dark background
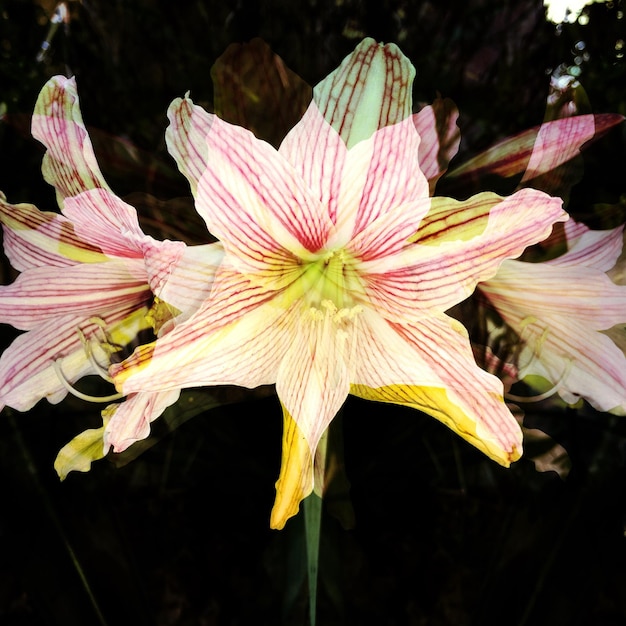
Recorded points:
(181,536)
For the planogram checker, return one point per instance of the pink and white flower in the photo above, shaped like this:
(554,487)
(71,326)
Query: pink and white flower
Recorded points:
(561,309)
(338,269)
(88,275)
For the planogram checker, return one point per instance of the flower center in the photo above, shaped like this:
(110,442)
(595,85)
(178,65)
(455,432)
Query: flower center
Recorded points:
(332,279)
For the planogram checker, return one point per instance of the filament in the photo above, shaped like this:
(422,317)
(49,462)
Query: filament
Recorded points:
(546,394)
(80,394)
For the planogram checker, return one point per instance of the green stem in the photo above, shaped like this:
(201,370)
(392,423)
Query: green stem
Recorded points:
(312,524)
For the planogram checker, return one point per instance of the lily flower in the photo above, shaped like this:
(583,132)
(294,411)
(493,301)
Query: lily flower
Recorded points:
(89,276)
(562,310)
(325,288)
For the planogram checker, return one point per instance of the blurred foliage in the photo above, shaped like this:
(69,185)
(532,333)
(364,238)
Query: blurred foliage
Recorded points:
(180,535)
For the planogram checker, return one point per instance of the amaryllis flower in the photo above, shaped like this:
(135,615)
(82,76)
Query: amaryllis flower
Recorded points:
(338,270)
(560,308)
(88,276)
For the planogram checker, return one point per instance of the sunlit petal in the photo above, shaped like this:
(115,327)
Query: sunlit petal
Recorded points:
(371,89)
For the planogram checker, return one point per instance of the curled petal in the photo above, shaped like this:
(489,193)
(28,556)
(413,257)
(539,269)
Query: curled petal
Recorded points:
(70,163)
(27,371)
(186,138)
(78,454)
(580,362)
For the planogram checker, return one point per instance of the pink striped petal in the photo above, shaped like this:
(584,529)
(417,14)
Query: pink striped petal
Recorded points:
(26,371)
(317,152)
(580,362)
(371,89)
(26,367)
(191,279)
(130,420)
(541,290)
(438,375)
(33,238)
(99,216)
(89,289)
(256,203)
(186,138)
(70,163)
(558,141)
(445,270)
(379,175)
(598,249)
(389,234)
(102,219)
(236,338)
(440,138)
(313,379)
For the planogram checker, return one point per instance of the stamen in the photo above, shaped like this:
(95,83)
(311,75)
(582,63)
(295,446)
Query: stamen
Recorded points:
(80,394)
(330,306)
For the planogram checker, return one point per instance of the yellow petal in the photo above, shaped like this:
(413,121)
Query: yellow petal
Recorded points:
(503,447)
(80,452)
(295,481)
